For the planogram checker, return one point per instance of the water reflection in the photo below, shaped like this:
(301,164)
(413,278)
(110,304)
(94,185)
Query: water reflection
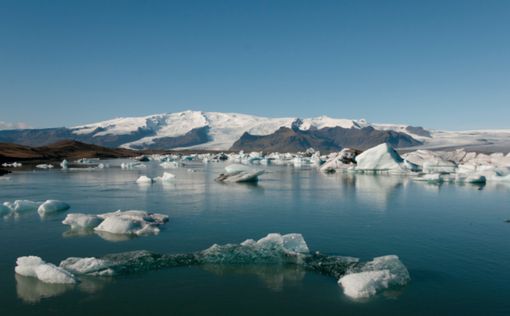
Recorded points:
(71,233)
(274,276)
(31,290)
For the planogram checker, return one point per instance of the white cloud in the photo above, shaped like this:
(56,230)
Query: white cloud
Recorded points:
(8,125)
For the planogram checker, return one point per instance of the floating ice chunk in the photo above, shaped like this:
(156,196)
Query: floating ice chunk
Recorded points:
(44,166)
(169,165)
(239,173)
(22,206)
(167,176)
(380,158)
(12,165)
(144,180)
(274,248)
(52,206)
(365,284)
(64,164)
(132,165)
(81,221)
(131,223)
(33,266)
(90,265)
(343,160)
(373,276)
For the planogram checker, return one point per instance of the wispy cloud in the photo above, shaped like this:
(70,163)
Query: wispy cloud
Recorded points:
(8,125)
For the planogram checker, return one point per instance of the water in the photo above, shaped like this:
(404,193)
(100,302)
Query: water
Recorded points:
(452,238)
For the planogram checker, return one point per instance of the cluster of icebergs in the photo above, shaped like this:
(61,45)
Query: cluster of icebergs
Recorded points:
(166,177)
(19,207)
(358,280)
(132,222)
(12,165)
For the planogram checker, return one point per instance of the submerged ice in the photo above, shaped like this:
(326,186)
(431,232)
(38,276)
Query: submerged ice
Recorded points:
(359,280)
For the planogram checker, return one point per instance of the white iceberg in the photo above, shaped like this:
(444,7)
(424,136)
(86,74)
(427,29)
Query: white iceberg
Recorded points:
(239,173)
(22,206)
(64,164)
(343,160)
(91,266)
(44,166)
(167,176)
(144,180)
(383,158)
(81,221)
(32,266)
(169,165)
(131,223)
(374,276)
(52,206)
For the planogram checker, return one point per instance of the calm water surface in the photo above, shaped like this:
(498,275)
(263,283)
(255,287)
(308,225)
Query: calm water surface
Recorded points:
(452,238)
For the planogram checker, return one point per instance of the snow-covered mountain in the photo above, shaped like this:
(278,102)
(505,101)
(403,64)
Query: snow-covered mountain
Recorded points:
(222,131)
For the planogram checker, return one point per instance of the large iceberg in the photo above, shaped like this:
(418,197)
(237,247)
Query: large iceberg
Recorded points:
(383,158)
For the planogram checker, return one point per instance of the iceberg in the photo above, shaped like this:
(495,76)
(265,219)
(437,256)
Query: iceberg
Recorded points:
(144,180)
(169,165)
(376,275)
(167,176)
(52,206)
(64,164)
(44,166)
(343,160)
(22,206)
(276,250)
(239,173)
(32,266)
(131,223)
(79,221)
(383,158)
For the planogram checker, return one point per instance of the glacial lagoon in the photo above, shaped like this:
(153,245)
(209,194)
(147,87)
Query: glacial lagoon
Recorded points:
(452,238)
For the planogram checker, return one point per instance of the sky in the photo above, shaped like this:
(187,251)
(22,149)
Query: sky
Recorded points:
(438,64)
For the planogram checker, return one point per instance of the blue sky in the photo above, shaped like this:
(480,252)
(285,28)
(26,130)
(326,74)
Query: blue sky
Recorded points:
(439,64)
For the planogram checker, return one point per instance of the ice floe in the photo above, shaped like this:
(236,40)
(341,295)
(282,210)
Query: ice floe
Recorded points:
(32,266)
(358,279)
(79,221)
(167,176)
(131,222)
(239,173)
(44,166)
(22,206)
(374,276)
(52,206)
(144,180)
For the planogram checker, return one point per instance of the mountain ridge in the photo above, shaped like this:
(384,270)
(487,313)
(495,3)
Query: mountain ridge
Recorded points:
(198,130)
